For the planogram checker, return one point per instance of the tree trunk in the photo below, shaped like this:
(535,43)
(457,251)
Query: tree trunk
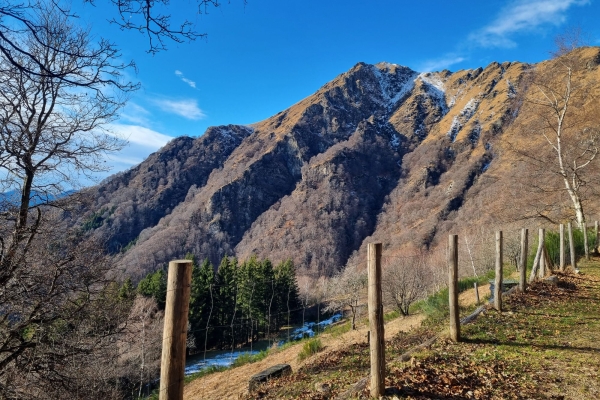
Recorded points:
(573,193)
(25,199)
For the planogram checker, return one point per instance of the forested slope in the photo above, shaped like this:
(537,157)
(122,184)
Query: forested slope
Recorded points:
(379,153)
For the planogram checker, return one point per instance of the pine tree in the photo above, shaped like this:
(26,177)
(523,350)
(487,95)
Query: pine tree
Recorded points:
(287,293)
(127,291)
(155,285)
(226,298)
(249,296)
(266,290)
(202,303)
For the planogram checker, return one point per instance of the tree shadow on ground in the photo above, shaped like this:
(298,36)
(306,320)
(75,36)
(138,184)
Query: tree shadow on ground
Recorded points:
(497,342)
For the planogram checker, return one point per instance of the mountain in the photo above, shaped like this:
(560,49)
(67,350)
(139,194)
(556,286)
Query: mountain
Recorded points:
(379,153)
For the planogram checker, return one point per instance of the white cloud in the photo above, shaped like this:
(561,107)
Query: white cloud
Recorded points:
(190,82)
(135,114)
(522,16)
(440,63)
(141,143)
(139,136)
(186,108)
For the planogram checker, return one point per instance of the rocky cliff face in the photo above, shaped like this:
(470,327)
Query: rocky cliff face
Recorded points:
(379,153)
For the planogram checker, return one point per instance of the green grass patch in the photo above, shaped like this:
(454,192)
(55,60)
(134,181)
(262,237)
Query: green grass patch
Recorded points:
(247,358)
(339,329)
(552,241)
(436,307)
(310,347)
(387,317)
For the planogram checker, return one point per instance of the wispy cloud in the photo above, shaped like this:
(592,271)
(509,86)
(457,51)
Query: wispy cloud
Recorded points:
(440,63)
(187,108)
(135,114)
(522,16)
(190,82)
(139,135)
(141,142)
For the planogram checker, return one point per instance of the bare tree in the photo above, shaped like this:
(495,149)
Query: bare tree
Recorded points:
(572,38)
(346,289)
(566,116)
(405,280)
(140,345)
(149,18)
(55,311)
(23,19)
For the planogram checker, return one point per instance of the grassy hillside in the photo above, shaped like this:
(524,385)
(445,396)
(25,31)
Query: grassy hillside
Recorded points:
(545,345)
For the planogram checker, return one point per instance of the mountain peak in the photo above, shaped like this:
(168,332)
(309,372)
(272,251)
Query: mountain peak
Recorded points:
(381,152)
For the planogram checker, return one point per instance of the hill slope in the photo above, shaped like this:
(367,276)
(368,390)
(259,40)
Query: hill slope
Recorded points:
(543,346)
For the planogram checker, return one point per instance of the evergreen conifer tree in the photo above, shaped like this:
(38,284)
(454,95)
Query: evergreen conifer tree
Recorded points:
(127,291)
(226,298)
(155,285)
(202,302)
(287,293)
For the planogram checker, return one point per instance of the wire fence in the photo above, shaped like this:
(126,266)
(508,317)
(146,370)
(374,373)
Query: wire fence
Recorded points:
(281,320)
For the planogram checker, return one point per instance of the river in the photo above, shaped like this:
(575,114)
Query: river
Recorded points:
(224,358)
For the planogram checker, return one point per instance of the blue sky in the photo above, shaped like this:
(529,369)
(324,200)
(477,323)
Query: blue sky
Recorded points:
(262,57)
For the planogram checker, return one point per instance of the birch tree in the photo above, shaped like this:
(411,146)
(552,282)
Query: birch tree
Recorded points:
(562,100)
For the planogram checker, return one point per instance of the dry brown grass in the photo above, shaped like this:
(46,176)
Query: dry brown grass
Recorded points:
(233,383)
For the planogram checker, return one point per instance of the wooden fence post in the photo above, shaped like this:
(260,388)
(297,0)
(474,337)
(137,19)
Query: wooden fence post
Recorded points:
(542,270)
(453,287)
(596,236)
(541,262)
(376,328)
(572,246)
(585,241)
(523,261)
(172,366)
(561,231)
(498,281)
(476,286)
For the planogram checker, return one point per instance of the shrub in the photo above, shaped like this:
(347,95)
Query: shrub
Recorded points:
(310,347)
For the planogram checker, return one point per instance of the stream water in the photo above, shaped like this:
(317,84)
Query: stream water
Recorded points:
(224,358)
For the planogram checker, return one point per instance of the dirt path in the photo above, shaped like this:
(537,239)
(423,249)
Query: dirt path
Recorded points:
(468,297)
(232,383)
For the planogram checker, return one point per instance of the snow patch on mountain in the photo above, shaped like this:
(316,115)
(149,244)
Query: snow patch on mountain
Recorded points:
(462,118)
(395,81)
(455,127)
(469,109)
(395,141)
(433,80)
(512,90)
(434,86)
(228,133)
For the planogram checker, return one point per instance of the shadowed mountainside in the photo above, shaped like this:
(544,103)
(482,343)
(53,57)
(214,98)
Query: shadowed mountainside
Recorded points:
(379,153)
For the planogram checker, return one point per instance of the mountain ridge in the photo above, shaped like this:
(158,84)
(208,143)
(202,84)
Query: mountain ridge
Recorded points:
(381,152)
